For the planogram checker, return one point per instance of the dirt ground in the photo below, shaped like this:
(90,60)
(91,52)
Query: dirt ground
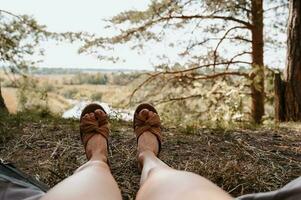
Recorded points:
(239,161)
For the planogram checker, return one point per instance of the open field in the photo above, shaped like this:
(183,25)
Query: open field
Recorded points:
(58,92)
(58,99)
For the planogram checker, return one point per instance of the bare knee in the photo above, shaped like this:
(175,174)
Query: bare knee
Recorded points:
(157,170)
(169,174)
(162,181)
(95,164)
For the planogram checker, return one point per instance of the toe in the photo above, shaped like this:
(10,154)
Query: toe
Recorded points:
(92,116)
(99,114)
(86,116)
(144,113)
(151,114)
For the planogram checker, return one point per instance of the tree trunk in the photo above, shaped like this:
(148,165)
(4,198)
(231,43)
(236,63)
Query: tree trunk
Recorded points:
(257,86)
(279,97)
(291,96)
(2,104)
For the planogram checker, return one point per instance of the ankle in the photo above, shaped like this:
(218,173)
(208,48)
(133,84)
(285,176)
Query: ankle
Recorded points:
(96,148)
(99,157)
(143,156)
(148,142)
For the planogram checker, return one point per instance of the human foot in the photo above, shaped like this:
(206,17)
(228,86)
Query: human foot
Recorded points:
(94,129)
(147,129)
(147,140)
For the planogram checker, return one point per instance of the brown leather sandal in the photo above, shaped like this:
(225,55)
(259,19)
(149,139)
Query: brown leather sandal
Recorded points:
(152,124)
(89,128)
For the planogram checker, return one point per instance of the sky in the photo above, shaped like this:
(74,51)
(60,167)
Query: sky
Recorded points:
(79,15)
(70,15)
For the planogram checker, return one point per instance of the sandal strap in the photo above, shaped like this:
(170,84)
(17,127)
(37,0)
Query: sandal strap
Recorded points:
(152,125)
(147,123)
(89,127)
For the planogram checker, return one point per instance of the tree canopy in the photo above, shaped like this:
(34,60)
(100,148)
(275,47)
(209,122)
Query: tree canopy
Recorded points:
(20,38)
(202,41)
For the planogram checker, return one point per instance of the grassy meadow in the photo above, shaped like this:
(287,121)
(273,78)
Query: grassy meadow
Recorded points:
(60,90)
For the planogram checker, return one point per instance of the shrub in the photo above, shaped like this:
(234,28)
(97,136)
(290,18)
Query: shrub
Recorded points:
(49,87)
(97,96)
(124,78)
(70,93)
(31,97)
(87,78)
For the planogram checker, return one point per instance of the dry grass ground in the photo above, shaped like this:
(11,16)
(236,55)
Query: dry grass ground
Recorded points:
(240,161)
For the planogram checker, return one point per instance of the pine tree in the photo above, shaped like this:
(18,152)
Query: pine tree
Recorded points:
(235,26)
(288,91)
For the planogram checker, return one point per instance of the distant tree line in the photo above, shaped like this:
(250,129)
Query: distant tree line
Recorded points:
(87,78)
(115,78)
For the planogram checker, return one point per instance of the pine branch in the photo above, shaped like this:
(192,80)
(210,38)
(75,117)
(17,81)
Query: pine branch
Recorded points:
(236,56)
(276,7)
(178,99)
(205,65)
(145,82)
(213,76)
(11,14)
(226,18)
(130,32)
(181,72)
(242,39)
(222,39)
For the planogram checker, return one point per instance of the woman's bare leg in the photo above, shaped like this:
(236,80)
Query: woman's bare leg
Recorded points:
(159,181)
(91,181)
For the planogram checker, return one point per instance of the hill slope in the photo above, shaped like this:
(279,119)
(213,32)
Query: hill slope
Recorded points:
(240,161)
